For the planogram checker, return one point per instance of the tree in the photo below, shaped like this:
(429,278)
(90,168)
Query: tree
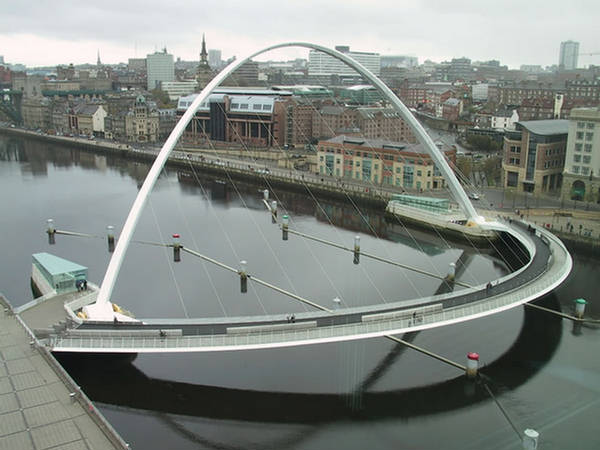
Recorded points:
(161,98)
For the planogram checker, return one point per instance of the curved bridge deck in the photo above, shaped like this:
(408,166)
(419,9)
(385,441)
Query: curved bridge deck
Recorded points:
(549,265)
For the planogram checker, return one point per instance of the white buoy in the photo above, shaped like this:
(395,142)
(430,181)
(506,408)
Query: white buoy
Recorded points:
(580,307)
(285,222)
(451,272)
(472,364)
(266,194)
(51,231)
(530,439)
(110,236)
(243,277)
(176,248)
(356,249)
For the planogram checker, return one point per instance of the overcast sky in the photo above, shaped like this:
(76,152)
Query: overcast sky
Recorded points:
(43,32)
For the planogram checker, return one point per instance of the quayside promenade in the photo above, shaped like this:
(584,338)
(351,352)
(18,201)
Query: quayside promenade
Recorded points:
(40,405)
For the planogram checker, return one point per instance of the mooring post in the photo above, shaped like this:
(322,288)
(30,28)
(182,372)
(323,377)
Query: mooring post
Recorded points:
(243,277)
(266,195)
(580,307)
(176,248)
(356,249)
(530,439)
(472,364)
(110,236)
(285,222)
(51,231)
(274,211)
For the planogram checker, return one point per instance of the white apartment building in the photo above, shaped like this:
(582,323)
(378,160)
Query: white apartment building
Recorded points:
(320,63)
(159,68)
(581,175)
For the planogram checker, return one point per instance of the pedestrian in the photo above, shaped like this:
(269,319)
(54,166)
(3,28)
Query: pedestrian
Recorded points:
(488,287)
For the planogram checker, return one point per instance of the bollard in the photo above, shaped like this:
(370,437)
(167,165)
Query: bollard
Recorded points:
(51,231)
(451,272)
(274,211)
(266,194)
(356,249)
(285,222)
(243,277)
(110,235)
(472,364)
(580,307)
(530,439)
(176,248)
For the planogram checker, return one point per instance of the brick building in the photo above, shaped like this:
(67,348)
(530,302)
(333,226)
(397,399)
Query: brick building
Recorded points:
(381,162)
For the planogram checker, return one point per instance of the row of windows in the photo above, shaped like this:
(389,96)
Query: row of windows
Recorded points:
(587,147)
(583,170)
(588,136)
(255,107)
(553,151)
(553,163)
(514,161)
(586,158)
(590,125)
(515,149)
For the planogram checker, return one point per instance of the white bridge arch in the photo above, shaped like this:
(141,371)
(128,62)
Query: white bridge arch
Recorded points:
(102,309)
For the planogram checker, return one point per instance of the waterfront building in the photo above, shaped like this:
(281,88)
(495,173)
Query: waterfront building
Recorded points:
(534,156)
(159,67)
(87,118)
(568,55)
(142,122)
(236,120)
(581,175)
(382,162)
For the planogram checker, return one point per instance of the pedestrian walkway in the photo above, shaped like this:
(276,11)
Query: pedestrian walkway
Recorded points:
(39,407)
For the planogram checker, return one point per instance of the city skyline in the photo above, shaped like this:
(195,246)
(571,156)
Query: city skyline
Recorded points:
(428,29)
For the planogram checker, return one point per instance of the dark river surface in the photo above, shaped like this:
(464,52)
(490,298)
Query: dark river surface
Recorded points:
(365,394)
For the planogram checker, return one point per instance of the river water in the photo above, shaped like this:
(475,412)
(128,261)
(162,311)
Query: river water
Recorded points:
(350,395)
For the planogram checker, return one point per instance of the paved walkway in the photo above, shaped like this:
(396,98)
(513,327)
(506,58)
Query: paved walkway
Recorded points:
(36,410)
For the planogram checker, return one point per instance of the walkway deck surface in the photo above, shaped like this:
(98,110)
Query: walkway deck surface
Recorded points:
(36,409)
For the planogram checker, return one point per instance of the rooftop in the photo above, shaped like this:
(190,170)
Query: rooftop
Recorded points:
(546,127)
(382,144)
(55,265)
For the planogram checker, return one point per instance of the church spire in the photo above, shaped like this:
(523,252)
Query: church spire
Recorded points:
(98,63)
(203,53)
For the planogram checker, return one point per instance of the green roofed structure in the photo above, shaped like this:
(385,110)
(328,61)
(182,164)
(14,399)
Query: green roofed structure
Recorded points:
(51,273)
(436,205)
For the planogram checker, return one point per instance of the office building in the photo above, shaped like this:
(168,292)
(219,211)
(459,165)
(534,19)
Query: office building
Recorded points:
(214,58)
(160,67)
(581,175)
(534,155)
(569,52)
(321,64)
